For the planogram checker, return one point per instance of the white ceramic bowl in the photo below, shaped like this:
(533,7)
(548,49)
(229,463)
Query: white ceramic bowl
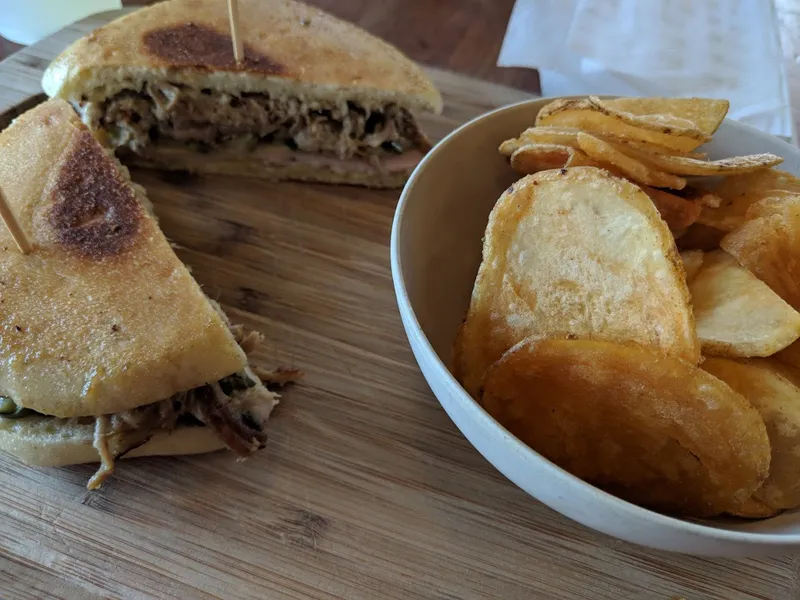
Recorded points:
(435,252)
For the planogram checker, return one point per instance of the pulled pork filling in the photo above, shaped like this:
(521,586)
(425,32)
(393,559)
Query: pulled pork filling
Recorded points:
(207,119)
(235,408)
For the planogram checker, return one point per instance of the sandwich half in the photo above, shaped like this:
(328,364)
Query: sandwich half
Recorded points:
(108,347)
(315,99)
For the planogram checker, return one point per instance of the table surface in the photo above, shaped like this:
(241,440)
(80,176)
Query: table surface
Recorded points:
(367,490)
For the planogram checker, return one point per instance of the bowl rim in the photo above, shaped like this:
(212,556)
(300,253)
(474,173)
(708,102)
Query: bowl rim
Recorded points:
(690,527)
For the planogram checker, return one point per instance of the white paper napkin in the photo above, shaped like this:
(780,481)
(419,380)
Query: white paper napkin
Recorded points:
(28,21)
(714,48)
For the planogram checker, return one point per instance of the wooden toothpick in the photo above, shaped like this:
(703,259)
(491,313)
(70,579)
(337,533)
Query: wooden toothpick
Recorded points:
(13,226)
(238,44)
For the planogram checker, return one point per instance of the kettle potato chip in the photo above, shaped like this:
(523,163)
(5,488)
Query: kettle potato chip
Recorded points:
(736,313)
(772,389)
(589,116)
(561,136)
(686,165)
(568,136)
(605,153)
(739,192)
(633,422)
(692,262)
(532,158)
(581,252)
(754,509)
(701,114)
(581,337)
(768,244)
(679,213)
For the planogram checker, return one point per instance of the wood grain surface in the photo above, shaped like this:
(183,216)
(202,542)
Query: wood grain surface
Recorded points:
(366,489)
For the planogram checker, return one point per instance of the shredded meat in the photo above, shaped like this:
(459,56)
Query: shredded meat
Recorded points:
(236,409)
(278,377)
(240,429)
(205,118)
(237,416)
(248,340)
(106,459)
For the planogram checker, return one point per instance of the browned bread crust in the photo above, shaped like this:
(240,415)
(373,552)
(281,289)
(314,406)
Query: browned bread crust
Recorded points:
(290,49)
(182,158)
(48,442)
(101,316)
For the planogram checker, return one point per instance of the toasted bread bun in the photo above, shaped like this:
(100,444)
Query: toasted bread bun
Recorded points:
(49,442)
(315,167)
(101,316)
(290,49)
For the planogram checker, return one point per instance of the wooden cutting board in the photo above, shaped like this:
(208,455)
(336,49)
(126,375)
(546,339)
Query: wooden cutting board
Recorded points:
(366,490)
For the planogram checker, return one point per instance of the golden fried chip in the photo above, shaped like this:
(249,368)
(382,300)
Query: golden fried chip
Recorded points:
(561,136)
(558,148)
(648,146)
(568,136)
(692,261)
(772,389)
(686,165)
(659,122)
(768,244)
(739,192)
(653,430)
(605,153)
(737,314)
(592,117)
(532,158)
(755,186)
(678,212)
(702,114)
(580,252)
(754,509)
